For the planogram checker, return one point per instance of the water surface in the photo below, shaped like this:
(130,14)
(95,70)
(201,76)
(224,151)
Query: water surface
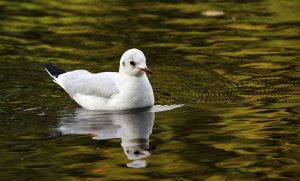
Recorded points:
(237,76)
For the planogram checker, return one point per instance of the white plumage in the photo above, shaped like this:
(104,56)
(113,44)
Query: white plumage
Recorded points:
(127,89)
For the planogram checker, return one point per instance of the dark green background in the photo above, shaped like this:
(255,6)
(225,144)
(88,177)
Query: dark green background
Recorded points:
(238,76)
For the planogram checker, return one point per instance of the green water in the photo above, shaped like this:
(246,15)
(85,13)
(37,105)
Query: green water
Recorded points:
(237,76)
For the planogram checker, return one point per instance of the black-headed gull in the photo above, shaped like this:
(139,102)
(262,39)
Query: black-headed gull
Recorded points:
(128,89)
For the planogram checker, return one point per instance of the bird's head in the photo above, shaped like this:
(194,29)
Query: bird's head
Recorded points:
(133,62)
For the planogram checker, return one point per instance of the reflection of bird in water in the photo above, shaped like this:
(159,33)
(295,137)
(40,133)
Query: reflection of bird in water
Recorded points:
(134,131)
(133,127)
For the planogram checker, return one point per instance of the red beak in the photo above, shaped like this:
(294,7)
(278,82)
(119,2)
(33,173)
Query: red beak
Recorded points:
(147,70)
(151,150)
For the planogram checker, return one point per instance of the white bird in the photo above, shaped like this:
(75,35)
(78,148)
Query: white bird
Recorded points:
(128,89)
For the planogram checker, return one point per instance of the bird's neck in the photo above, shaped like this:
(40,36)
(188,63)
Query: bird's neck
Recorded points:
(132,83)
(135,90)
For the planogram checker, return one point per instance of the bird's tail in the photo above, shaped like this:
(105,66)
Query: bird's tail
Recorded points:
(53,71)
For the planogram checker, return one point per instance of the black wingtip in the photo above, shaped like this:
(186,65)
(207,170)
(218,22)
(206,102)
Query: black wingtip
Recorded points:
(53,70)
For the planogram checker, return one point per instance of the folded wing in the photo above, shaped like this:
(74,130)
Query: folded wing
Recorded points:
(83,82)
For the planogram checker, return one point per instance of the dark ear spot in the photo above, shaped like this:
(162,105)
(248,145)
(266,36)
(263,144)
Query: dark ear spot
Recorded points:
(123,63)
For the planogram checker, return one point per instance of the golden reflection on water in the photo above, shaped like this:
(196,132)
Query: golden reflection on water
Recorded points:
(238,76)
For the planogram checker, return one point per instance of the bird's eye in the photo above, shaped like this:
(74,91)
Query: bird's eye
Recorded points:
(132,63)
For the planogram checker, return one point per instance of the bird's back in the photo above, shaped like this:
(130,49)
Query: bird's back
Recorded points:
(85,83)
